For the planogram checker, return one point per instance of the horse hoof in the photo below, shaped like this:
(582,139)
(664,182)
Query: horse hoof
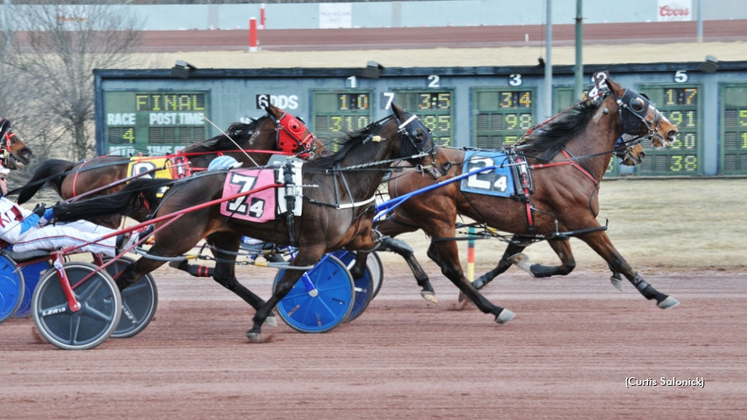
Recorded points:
(617,283)
(669,302)
(271,321)
(522,261)
(429,296)
(504,316)
(253,336)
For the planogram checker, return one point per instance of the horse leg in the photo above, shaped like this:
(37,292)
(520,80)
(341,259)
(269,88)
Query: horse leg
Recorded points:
(307,256)
(503,265)
(562,248)
(615,278)
(225,271)
(601,244)
(397,224)
(445,254)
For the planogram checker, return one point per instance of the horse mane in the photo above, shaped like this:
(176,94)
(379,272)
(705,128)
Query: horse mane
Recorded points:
(236,131)
(346,143)
(547,141)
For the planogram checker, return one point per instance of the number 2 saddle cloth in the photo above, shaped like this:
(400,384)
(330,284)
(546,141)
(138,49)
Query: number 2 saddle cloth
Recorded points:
(506,175)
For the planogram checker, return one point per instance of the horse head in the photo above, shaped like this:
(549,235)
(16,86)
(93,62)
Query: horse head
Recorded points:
(293,135)
(640,118)
(418,142)
(15,154)
(629,154)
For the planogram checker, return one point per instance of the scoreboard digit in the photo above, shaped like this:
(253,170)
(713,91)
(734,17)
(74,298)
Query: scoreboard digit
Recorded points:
(733,123)
(501,115)
(682,105)
(154,123)
(434,109)
(337,113)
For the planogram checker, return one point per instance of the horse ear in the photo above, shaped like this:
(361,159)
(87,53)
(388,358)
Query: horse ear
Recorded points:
(618,90)
(273,110)
(398,112)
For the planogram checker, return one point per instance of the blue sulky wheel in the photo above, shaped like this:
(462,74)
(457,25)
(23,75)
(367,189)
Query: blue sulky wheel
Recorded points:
(364,286)
(11,288)
(31,275)
(139,301)
(100,301)
(321,299)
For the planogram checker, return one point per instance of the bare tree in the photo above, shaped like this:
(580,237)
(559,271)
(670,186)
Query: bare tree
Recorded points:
(56,47)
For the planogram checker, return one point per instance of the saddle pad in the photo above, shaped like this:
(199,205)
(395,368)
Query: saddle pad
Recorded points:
(139,165)
(258,207)
(498,182)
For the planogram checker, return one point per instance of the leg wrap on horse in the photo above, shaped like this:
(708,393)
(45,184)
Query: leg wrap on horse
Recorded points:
(397,246)
(195,270)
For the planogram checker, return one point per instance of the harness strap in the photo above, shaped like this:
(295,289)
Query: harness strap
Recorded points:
(75,177)
(570,160)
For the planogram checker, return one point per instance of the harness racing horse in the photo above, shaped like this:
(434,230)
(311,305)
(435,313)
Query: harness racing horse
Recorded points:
(14,154)
(337,205)
(275,131)
(627,149)
(565,159)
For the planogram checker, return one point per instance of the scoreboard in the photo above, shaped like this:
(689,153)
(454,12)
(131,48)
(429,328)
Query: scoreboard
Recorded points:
(681,104)
(154,112)
(154,123)
(433,108)
(502,116)
(337,113)
(733,157)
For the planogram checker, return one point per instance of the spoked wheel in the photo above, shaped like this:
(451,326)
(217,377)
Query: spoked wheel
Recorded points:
(31,275)
(320,300)
(373,262)
(364,286)
(100,301)
(139,301)
(11,288)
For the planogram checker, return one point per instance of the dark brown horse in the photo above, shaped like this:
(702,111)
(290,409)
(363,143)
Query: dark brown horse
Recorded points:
(14,154)
(337,204)
(275,131)
(566,158)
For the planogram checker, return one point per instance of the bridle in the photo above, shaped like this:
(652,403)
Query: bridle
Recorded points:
(290,136)
(7,139)
(635,118)
(416,133)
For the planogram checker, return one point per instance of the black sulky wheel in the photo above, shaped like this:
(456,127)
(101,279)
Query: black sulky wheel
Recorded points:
(139,301)
(100,301)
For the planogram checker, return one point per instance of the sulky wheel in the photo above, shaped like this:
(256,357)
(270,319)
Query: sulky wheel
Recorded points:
(364,286)
(373,262)
(320,300)
(11,288)
(139,301)
(100,307)
(31,275)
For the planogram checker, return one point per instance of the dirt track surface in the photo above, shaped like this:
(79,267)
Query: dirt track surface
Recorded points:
(567,354)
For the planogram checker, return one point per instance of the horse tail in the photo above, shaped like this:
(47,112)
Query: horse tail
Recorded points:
(127,199)
(52,172)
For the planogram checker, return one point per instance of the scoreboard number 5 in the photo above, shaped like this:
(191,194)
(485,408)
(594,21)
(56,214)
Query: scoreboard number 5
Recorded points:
(680,76)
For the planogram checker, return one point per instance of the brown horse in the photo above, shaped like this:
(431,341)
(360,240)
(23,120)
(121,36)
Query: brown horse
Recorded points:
(337,202)
(14,154)
(275,131)
(565,159)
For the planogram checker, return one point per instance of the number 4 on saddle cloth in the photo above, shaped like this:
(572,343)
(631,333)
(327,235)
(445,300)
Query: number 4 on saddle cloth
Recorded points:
(264,205)
(507,176)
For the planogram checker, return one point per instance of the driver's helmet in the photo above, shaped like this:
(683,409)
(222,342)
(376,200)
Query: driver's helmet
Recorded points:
(223,163)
